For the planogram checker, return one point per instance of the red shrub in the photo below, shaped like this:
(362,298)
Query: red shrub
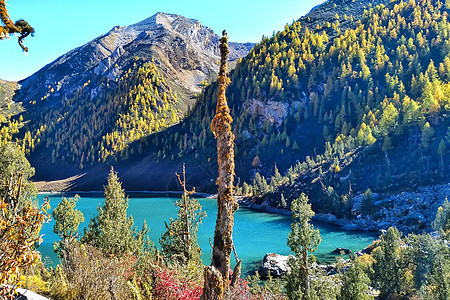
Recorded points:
(169,286)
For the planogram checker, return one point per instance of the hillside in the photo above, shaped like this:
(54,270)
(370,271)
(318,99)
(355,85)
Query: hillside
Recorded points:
(334,108)
(90,103)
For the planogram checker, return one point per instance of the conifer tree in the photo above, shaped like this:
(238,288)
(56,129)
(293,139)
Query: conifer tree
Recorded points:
(387,272)
(355,284)
(112,230)
(303,241)
(179,241)
(67,219)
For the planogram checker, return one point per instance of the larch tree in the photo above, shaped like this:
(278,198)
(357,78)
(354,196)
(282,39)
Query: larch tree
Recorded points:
(217,275)
(21,26)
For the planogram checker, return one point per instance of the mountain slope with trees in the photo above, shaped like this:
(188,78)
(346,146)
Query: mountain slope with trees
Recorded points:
(341,106)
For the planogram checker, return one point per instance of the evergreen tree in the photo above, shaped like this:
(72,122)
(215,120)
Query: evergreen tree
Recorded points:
(442,219)
(112,230)
(439,281)
(387,272)
(303,241)
(420,254)
(67,219)
(179,241)
(355,284)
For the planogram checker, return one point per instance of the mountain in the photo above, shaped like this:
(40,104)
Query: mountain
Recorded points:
(327,106)
(184,50)
(334,107)
(136,80)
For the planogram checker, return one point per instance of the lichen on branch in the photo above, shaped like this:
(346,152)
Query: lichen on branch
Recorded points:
(217,275)
(21,26)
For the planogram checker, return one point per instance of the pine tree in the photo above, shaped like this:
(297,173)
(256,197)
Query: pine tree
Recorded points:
(67,219)
(355,284)
(179,241)
(303,241)
(112,230)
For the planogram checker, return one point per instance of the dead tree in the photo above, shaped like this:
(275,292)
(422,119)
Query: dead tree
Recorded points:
(21,26)
(217,275)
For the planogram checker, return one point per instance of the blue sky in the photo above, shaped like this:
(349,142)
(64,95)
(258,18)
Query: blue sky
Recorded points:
(62,25)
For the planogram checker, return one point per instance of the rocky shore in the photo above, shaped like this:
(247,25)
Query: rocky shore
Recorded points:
(407,211)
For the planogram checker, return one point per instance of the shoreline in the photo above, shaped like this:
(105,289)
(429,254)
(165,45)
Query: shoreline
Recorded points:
(201,195)
(409,212)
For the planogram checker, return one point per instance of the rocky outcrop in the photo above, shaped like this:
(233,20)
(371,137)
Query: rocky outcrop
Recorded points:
(342,250)
(272,111)
(274,263)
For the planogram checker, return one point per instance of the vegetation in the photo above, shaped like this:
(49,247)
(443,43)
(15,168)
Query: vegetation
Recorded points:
(303,241)
(179,241)
(67,219)
(20,219)
(112,230)
(379,85)
(136,105)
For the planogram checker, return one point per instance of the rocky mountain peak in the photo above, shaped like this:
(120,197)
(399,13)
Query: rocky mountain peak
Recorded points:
(185,51)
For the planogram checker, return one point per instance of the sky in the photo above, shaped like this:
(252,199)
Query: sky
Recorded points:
(62,25)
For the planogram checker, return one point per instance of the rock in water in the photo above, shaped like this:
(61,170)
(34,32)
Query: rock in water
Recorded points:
(344,250)
(274,263)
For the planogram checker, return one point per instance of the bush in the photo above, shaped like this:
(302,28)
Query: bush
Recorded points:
(85,273)
(168,285)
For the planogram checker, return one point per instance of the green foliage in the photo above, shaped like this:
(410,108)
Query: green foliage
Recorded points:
(442,219)
(367,205)
(387,272)
(112,230)
(67,219)
(303,241)
(421,254)
(439,281)
(355,284)
(271,288)
(14,162)
(179,243)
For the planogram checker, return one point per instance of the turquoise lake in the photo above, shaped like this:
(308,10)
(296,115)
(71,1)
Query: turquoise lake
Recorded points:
(255,233)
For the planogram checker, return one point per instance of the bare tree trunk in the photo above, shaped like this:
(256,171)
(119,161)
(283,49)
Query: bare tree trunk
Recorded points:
(217,277)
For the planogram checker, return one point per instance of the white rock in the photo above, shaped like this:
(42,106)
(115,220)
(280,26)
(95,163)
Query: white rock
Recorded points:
(275,263)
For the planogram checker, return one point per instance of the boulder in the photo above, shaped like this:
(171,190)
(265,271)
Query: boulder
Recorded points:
(339,250)
(24,294)
(275,263)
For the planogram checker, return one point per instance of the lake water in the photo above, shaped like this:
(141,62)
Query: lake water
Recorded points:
(254,234)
